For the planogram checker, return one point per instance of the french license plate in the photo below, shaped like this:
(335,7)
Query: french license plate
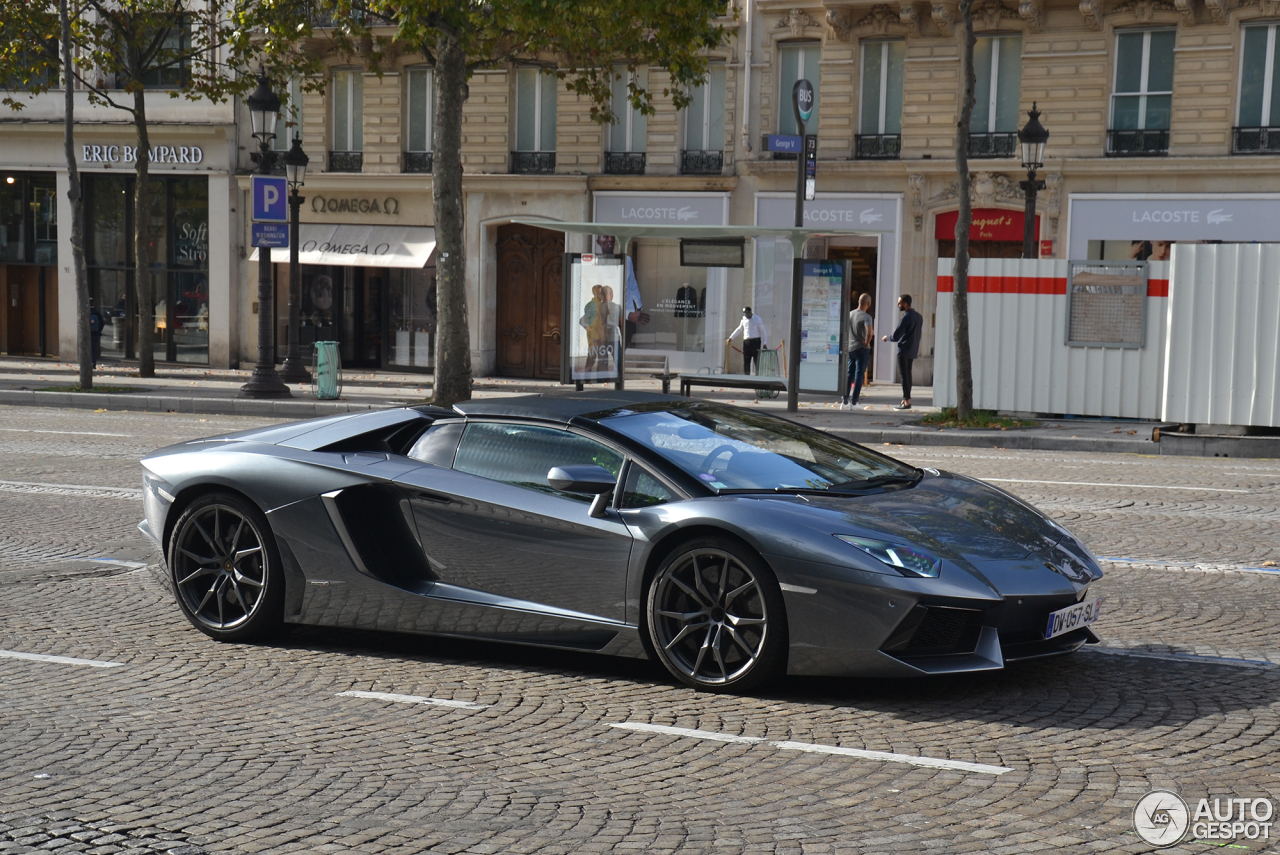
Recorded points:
(1073,617)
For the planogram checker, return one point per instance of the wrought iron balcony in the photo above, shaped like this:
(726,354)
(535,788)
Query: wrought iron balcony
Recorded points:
(1256,140)
(701,162)
(1138,143)
(624,162)
(877,146)
(346,161)
(418,161)
(993,145)
(533,162)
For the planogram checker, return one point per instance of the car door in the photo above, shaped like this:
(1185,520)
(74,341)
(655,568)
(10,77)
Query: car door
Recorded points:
(490,524)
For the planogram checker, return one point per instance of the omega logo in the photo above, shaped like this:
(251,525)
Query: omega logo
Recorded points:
(323,204)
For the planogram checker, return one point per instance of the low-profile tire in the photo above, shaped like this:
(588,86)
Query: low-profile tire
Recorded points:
(716,618)
(225,568)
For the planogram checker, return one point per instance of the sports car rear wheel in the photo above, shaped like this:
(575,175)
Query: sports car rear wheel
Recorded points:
(226,569)
(716,617)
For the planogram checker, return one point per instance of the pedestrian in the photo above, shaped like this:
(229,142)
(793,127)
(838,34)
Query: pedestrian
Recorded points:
(754,335)
(907,335)
(861,335)
(95,332)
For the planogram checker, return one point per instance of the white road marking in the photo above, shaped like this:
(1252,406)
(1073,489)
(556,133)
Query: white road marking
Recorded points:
(1135,486)
(58,660)
(132,565)
(1198,567)
(814,748)
(1189,658)
(413,699)
(66,432)
(83,490)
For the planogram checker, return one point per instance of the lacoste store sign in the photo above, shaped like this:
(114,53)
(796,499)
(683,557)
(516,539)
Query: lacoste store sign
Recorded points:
(129,154)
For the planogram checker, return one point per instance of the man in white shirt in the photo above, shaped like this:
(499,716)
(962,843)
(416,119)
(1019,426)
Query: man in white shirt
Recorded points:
(754,335)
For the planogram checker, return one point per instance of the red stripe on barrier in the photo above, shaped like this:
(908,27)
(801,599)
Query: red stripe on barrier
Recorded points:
(1047,286)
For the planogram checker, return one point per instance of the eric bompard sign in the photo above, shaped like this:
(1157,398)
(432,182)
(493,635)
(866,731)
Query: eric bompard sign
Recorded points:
(129,154)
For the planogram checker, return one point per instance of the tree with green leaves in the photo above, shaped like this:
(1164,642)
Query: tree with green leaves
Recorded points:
(119,52)
(960,301)
(583,42)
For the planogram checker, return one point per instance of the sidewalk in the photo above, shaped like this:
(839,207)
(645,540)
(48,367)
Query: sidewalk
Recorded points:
(206,390)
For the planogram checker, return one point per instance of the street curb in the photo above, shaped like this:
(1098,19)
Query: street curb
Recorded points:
(996,439)
(288,408)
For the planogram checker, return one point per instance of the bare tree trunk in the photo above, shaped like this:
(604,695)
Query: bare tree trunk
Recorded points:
(960,303)
(142,241)
(453,341)
(84,342)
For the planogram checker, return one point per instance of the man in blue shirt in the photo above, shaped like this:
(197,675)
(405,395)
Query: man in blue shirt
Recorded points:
(907,335)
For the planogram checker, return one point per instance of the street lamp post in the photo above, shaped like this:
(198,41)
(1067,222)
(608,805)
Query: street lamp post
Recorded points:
(264,107)
(295,170)
(1033,136)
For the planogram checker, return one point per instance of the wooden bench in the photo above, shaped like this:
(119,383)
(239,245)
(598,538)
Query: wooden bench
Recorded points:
(638,363)
(733,381)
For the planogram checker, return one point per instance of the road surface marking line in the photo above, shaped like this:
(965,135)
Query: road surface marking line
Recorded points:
(132,565)
(413,699)
(58,660)
(132,491)
(1100,484)
(814,748)
(1189,658)
(1187,565)
(66,432)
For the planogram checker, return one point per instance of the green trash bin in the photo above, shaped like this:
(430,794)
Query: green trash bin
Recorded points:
(326,368)
(768,367)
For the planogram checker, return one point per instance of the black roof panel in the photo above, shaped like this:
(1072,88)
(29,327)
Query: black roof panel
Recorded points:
(559,406)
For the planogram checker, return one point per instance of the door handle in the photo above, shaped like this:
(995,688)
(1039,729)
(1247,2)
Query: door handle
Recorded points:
(554,335)
(434,498)
(516,333)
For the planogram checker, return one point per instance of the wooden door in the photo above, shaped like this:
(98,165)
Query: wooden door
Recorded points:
(530,288)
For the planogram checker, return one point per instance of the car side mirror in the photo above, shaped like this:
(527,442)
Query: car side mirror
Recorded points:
(585,478)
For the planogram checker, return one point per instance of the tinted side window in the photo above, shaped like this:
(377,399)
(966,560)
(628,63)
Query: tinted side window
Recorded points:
(643,490)
(522,454)
(438,445)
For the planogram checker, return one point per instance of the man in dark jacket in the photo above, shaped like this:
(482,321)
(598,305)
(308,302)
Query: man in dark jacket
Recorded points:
(907,335)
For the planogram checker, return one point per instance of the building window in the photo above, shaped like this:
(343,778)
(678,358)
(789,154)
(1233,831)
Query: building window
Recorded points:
(1143,93)
(880,123)
(629,133)
(535,150)
(172,63)
(797,62)
(997,64)
(289,121)
(348,121)
(1258,121)
(703,152)
(420,95)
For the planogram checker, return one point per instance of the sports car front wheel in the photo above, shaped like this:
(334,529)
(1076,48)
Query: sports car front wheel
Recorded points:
(716,617)
(226,569)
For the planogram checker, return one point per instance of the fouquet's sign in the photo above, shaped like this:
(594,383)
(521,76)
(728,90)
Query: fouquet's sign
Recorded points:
(986,224)
(129,154)
(389,206)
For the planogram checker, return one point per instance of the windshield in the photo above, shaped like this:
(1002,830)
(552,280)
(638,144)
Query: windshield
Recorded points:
(731,450)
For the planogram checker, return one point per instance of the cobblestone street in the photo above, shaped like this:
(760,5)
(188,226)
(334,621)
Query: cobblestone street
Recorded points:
(140,734)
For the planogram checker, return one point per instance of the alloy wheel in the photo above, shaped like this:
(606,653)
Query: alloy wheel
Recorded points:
(219,566)
(709,617)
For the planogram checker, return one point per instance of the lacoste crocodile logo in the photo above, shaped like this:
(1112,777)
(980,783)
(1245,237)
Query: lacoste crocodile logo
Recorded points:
(870,216)
(686,213)
(1216,217)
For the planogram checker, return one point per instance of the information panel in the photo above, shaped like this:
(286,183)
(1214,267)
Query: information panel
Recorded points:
(592,316)
(822,312)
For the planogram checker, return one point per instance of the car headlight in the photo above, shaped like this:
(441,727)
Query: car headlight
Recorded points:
(905,559)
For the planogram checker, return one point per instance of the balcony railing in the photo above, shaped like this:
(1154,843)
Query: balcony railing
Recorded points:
(533,162)
(624,162)
(1138,143)
(877,146)
(1256,140)
(701,162)
(346,161)
(418,161)
(993,145)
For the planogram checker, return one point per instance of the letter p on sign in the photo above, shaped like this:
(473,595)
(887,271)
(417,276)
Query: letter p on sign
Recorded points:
(269,204)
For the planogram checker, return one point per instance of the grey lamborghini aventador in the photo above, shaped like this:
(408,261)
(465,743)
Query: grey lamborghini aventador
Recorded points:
(731,545)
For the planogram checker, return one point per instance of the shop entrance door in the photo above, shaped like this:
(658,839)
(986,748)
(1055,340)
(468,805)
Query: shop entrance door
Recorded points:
(31,309)
(530,288)
(362,316)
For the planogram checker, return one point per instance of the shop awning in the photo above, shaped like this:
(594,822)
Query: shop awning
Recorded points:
(626,232)
(361,246)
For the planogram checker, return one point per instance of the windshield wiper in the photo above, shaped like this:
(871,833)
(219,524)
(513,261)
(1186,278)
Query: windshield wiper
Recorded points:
(790,491)
(878,481)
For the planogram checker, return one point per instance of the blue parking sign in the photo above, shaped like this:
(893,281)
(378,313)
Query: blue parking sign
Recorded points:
(268,195)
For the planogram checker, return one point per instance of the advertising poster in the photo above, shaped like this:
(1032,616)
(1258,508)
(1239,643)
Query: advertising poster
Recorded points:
(821,315)
(594,312)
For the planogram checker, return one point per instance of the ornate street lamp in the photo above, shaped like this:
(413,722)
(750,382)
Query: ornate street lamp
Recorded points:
(295,170)
(1033,136)
(264,108)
